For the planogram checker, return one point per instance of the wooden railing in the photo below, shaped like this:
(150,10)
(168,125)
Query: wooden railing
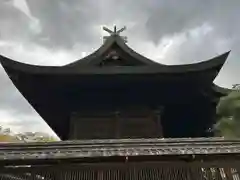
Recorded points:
(126,172)
(122,159)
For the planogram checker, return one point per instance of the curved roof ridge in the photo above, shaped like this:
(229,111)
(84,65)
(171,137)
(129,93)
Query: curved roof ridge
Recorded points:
(219,60)
(6,61)
(135,54)
(86,60)
(214,63)
(114,39)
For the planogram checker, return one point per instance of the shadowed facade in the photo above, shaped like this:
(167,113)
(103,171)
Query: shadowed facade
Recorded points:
(117,93)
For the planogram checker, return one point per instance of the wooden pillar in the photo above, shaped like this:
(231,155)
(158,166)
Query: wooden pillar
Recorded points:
(72,126)
(117,124)
(228,172)
(100,175)
(157,115)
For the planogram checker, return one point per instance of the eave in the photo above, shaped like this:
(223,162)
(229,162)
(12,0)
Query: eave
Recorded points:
(214,64)
(221,91)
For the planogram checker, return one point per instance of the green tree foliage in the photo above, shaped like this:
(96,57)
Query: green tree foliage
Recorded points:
(228,111)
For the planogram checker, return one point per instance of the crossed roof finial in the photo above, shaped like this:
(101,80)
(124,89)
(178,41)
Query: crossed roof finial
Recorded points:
(115,32)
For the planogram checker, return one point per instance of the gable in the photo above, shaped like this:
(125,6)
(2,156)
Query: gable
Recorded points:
(114,52)
(115,56)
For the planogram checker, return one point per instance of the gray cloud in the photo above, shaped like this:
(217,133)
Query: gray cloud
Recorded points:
(173,17)
(170,31)
(64,23)
(14,24)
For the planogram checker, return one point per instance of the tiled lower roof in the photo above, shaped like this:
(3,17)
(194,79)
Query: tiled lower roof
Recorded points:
(118,147)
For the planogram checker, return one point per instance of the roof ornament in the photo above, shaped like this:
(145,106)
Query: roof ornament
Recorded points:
(115,32)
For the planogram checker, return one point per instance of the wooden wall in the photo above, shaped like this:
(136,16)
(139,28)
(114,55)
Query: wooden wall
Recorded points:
(115,124)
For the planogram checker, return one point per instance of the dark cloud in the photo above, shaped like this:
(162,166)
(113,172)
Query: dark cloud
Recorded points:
(64,23)
(171,17)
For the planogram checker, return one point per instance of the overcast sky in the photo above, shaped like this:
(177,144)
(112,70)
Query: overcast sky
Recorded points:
(56,32)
